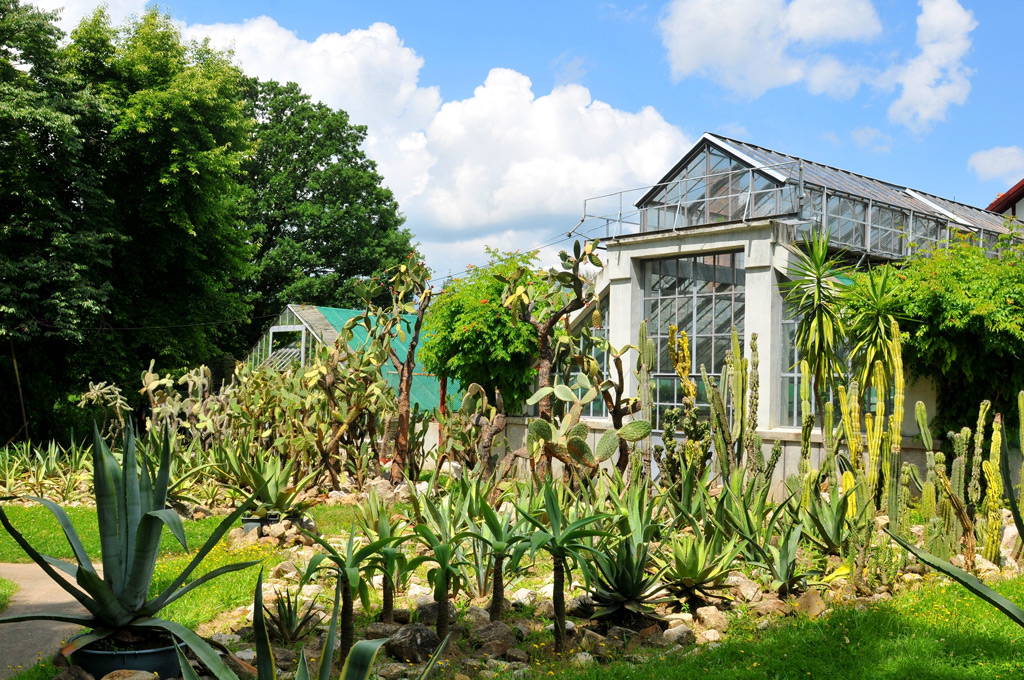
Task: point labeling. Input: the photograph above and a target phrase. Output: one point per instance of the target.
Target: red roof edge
(1004, 201)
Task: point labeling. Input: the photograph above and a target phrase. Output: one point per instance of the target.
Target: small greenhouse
(295, 336)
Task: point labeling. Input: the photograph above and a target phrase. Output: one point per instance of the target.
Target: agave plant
(290, 620)
(700, 561)
(267, 473)
(130, 507)
(828, 519)
(625, 583)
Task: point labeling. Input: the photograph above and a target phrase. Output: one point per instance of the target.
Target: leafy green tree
(472, 338)
(315, 203)
(55, 237)
(965, 326)
(172, 146)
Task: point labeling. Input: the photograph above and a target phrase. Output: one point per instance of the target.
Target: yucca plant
(564, 536)
(505, 538)
(777, 554)
(349, 565)
(699, 561)
(381, 524)
(442, 535)
(130, 508)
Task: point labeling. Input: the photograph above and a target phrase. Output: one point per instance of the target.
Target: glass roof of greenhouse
(722, 180)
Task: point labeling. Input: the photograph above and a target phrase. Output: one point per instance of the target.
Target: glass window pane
(666, 390)
(705, 309)
(723, 315)
(703, 354)
(664, 365)
(652, 269)
(698, 166)
(668, 277)
(667, 315)
(651, 312)
(684, 315)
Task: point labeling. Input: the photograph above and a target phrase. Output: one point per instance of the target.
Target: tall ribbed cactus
(896, 422)
(928, 498)
(833, 436)
(903, 509)
(728, 433)
(993, 529)
(849, 405)
(974, 484)
(647, 355)
(875, 424)
(807, 418)
(958, 467)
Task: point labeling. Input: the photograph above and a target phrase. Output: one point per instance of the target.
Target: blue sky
(493, 121)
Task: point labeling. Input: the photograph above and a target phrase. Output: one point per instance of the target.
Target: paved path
(21, 643)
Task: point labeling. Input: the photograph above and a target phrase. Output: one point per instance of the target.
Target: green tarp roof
(426, 389)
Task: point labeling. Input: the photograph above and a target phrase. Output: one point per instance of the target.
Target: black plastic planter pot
(253, 523)
(162, 661)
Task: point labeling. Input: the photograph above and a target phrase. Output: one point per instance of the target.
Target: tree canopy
(965, 326)
(471, 337)
(319, 214)
(152, 196)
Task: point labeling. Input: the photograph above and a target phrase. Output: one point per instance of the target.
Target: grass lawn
(44, 533)
(939, 632)
(7, 590)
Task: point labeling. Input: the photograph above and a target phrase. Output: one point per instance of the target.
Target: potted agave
(277, 497)
(124, 631)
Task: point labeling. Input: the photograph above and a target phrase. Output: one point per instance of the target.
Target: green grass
(334, 520)
(7, 591)
(939, 632)
(224, 593)
(44, 533)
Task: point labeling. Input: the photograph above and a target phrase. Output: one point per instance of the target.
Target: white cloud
(506, 154)
(936, 78)
(872, 139)
(752, 46)
(503, 159)
(72, 11)
(1005, 163)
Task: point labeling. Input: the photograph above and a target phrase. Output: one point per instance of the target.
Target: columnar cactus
(876, 429)
(993, 530)
(903, 507)
(974, 485)
(928, 500)
(958, 467)
(896, 419)
(752, 440)
(849, 406)
(647, 356)
(807, 418)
